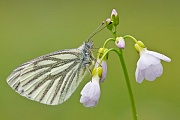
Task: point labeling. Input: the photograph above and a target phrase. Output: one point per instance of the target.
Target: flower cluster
(149, 65)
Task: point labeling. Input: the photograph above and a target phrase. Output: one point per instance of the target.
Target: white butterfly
(52, 78)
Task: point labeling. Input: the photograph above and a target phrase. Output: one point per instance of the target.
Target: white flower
(149, 65)
(91, 92)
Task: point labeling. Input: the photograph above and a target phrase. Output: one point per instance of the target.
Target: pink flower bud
(114, 12)
(120, 43)
(115, 17)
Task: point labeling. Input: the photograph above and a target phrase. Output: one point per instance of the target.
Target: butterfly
(51, 79)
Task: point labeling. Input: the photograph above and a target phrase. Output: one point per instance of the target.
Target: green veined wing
(52, 78)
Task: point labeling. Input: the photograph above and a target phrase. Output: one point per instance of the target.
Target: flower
(91, 91)
(149, 65)
(102, 62)
(120, 42)
(104, 67)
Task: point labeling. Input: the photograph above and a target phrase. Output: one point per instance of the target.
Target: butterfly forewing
(52, 78)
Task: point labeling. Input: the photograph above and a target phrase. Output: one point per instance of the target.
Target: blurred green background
(30, 28)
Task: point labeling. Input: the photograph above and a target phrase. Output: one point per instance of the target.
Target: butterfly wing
(50, 79)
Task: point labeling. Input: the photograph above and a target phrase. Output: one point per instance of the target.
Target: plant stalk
(128, 85)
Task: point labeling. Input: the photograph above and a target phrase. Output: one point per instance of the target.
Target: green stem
(108, 40)
(128, 85)
(107, 52)
(120, 54)
(129, 36)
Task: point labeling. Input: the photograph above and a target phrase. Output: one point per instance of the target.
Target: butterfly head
(88, 45)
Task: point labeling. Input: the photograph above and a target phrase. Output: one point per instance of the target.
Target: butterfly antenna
(97, 30)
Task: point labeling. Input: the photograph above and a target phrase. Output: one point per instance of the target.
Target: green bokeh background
(32, 28)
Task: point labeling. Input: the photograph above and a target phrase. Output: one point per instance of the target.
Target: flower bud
(120, 43)
(137, 47)
(108, 24)
(141, 44)
(101, 52)
(115, 17)
(97, 71)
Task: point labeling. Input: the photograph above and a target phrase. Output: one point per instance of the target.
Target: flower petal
(83, 99)
(91, 92)
(104, 67)
(146, 60)
(86, 88)
(139, 76)
(152, 72)
(160, 56)
(90, 103)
